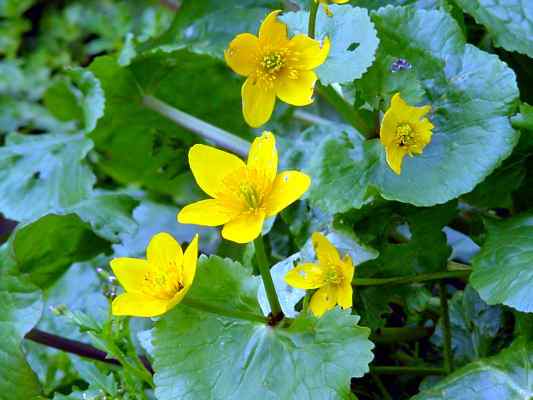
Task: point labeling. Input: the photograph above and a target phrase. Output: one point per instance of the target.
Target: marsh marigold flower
(155, 285)
(332, 276)
(404, 131)
(274, 66)
(243, 195)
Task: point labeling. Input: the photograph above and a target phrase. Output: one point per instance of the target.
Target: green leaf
(108, 214)
(311, 359)
(472, 94)
(14, 8)
(11, 31)
(39, 173)
(474, 325)
(46, 248)
(508, 375)
(21, 307)
(503, 269)
(352, 50)
(509, 22)
(137, 145)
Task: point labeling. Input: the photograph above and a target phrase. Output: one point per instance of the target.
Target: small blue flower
(400, 65)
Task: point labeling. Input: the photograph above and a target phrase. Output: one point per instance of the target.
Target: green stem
(346, 111)
(115, 351)
(209, 132)
(313, 9)
(380, 370)
(264, 270)
(379, 383)
(402, 280)
(232, 313)
(448, 354)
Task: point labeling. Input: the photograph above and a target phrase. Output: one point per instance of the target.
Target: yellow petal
(298, 89)
(138, 305)
(310, 52)
(163, 250)
(288, 187)
(344, 294)
(391, 119)
(209, 212)
(130, 272)
(305, 276)
(348, 269)
(257, 102)
(263, 156)
(323, 300)
(189, 263)
(273, 32)
(242, 54)
(423, 132)
(210, 166)
(326, 253)
(245, 228)
(340, 1)
(395, 157)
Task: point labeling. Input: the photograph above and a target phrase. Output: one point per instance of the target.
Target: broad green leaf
(14, 8)
(46, 248)
(11, 31)
(472, 95)
(503, 269)
(506, 375)
(212, 33)
(474, 326)
(509, 22)
(137, 145)
(21, 307)
(109, 214)
(39, 173)
(352, 50)
(310, 359)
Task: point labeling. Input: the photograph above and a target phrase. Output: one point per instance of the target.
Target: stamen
(405, 134)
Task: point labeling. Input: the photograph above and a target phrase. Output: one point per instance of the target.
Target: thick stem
(346, 111)
(313, 9)
(223, 311)
(381, 370)
(403, 280)
(448, 354)
(264, 270)
(209, 132)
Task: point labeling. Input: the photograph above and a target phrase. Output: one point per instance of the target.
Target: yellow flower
(332, 276)
(243, 195)
(274, 66)
(404, 131)
(155, 285)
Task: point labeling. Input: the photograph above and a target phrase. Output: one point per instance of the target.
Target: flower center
(332, 275)
(272, 62)
(405, 134)
(164, 283)
(250, 196)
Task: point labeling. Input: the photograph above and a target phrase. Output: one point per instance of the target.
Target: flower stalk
(264, 270)
(313, 10)
(404, 280)
(209, 132)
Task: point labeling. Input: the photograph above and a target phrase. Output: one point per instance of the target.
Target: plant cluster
(299, 199)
